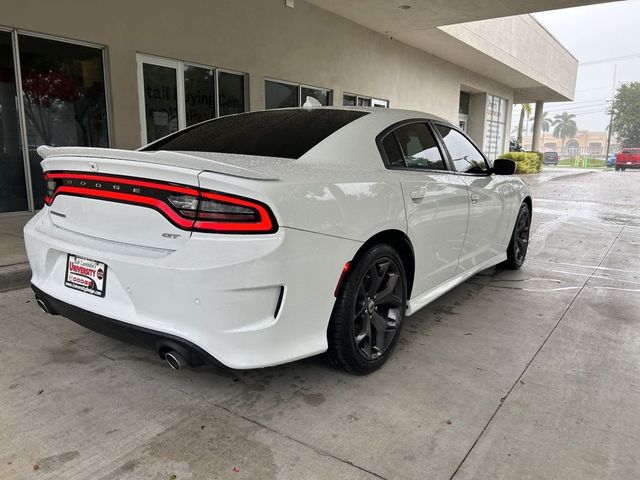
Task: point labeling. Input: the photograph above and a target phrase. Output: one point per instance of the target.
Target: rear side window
(413, 146)
(466, 157)
(392, 151)
(276, 133)
(419, 148)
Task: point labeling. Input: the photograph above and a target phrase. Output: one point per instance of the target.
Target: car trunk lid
(136, 186)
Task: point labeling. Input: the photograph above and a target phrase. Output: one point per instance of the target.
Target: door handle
(419, 194)
(474, 198)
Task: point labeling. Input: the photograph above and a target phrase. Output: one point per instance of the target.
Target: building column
(537, 127)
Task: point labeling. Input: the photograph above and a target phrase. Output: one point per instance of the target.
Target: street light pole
(613, 99)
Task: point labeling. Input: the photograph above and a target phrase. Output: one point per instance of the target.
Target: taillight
(218, 212)
(186, 207)
(51, 186)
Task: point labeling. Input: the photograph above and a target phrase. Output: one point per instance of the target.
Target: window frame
(390, 131)
(179, 67)
(22, 121)
(373, 100)
(299, 87)
(489, 170)
(245, 87)
(495, 120)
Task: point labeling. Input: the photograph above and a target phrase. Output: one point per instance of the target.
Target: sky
(595, 33)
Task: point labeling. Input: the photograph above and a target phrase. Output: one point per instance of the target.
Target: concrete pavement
(14, 267)
(529, 374)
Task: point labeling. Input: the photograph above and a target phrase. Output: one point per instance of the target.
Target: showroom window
(352, 100)
(52, 92)
(176, 94)
(279, 94)
(494, 126)
(13, 187)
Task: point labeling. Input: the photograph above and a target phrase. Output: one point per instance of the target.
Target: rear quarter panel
(350, 204)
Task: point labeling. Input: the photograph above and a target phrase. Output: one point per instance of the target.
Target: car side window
(419, 147)
(466, 157)
(392, 151)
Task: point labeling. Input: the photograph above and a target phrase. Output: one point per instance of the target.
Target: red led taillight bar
(188, 208)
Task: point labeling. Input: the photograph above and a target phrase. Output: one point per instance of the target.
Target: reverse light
(186, 205)
(188, 208)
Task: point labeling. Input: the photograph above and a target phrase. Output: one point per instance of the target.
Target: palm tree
(545, 125)
(526, 109)
(546, 122)
(564, 127)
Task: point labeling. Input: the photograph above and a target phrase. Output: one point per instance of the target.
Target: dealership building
(120, 74)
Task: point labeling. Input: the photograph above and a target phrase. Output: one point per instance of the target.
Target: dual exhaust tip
(174, 359)
(43, 306)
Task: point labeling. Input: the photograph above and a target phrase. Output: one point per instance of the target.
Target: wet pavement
(528, 374)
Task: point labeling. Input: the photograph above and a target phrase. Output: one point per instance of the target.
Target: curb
(13, 277)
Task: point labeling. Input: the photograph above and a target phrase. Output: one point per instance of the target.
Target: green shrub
(527, 162)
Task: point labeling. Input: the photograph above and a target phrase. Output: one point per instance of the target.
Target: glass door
(64, 99)
(161, 113)
(13, 187)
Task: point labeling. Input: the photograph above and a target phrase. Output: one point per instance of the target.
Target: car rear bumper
(627, 165)
(245, 301)
(125, 332)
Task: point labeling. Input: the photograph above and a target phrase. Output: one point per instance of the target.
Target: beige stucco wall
(261, 37)
(536, 58)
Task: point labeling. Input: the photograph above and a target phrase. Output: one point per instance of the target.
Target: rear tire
(617, 169)
(369, 311)
(517, 249)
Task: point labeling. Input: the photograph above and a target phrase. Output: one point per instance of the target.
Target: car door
(436, 201)
(488, 215)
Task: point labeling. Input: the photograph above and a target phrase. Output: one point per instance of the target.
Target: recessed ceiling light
(404, 7)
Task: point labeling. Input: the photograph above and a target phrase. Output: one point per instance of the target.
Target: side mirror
(504, 166)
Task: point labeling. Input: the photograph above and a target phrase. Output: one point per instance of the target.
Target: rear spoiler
(162, 157)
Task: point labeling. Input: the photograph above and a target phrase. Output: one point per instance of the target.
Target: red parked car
(628, 158)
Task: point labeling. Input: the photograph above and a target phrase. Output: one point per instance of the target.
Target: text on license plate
(86, 275)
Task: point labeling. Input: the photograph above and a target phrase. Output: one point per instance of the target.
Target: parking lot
(513, 375)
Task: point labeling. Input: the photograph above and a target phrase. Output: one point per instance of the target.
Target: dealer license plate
(86, 275)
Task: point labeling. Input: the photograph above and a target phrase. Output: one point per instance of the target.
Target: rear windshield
(287, 133)
(631, 151)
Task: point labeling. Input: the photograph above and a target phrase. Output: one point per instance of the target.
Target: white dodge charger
(265, 237)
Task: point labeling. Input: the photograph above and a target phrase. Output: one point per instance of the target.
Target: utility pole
(613, 99)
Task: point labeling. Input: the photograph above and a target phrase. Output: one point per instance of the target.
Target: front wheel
(517, 249)
(367, 316)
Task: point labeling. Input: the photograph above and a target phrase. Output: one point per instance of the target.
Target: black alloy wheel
(517, 249)
(367, 317)
(376, 312)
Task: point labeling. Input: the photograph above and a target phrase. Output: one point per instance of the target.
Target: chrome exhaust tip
(42, 305)
(175, 360)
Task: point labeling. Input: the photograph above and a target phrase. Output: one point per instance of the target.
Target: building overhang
(494, 38)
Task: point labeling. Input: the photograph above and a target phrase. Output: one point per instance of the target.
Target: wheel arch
(402, 244)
